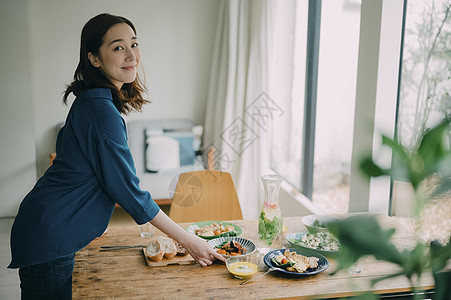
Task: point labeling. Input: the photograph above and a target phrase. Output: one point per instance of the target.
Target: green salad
(317, 223)
(320, 241)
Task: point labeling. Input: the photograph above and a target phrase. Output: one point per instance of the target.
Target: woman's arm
(199, 249)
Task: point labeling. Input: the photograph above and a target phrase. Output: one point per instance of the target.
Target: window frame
(377, 97)
(310, 98)
(376, 100)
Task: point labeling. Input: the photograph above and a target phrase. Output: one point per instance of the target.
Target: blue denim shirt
(72, 203)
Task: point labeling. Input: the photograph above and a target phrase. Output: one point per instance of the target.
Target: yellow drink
(242, 269)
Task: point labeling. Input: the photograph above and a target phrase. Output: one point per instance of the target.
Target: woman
(74, 200)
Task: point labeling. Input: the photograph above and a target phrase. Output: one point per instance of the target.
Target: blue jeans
(49, 280)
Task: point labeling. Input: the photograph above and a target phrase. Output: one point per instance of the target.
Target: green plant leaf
(401, 164)
(398, 150)
(368, 166)
(401, 168)
(439, 255)
(432, 148)
(442, 286)
(431, 157)
(415, 261)
(432, 143)
(362, 235)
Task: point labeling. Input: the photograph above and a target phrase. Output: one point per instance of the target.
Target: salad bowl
(323, 243)
(317, 223)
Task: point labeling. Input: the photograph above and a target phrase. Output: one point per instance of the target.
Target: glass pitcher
(270, 225)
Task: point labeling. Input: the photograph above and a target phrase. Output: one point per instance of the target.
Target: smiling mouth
(130, 68)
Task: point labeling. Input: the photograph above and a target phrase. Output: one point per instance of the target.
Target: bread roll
(181, 251)
(155, 251)
(169, 248)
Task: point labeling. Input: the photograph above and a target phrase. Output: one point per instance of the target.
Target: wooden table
(124, 273)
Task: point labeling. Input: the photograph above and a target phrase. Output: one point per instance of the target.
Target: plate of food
(322, 242)
(296, 261)
(232, 246)
(214, 229)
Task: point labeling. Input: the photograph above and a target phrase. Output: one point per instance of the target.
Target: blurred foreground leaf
(362, 235)
(432, 149)
(442, 285)
(439, 254)
(432, 156)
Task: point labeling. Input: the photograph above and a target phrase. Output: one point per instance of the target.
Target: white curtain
(240, 109)
(287, 62)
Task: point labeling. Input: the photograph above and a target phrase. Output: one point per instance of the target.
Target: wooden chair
(206, 195)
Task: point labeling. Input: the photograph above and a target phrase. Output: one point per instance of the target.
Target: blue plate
(323, 263)
(245, 243)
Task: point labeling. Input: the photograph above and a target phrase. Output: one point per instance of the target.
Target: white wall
(176, 40)
(17, 141)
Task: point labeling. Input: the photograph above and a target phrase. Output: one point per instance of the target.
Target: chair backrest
(206, 195)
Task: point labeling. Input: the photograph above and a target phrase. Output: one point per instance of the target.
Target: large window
(325, 79)
(337, 75)
(425, 89)
(357, 84)
(425, 85)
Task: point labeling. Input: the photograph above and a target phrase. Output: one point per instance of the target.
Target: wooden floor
(9, 279)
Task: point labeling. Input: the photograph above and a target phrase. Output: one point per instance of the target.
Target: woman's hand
(200, 250)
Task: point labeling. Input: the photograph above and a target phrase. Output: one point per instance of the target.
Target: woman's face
(119, 55)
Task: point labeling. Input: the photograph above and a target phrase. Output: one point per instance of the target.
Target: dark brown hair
(87, 76)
